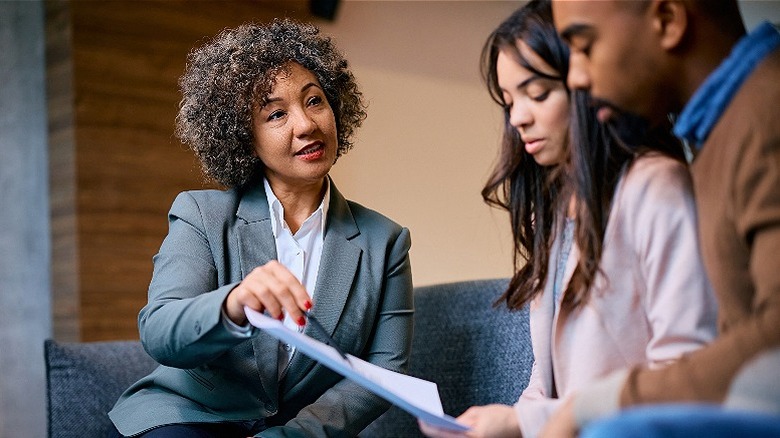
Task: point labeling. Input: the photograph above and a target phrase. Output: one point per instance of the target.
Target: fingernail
(307, 304)
(301, 321)
(280, 317)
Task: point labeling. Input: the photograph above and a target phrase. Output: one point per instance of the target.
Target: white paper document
(417, 396)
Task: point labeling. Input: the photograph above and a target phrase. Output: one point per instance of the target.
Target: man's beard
(630, 128)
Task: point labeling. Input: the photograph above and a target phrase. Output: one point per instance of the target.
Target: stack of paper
(417, 396)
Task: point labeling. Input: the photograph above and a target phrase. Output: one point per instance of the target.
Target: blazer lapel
(256, 247)
(338, 267)
(563, 314)
(541, 324)
(546, 322)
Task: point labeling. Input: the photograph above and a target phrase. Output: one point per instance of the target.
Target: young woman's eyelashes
(538, 90)
(540, 97)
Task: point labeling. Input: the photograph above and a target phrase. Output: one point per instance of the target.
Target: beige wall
(432, 131)
(754, 12)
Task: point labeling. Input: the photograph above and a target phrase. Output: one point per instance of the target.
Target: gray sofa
(476, 353)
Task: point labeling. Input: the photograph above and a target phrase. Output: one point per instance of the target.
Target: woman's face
(295, 131)
(538, 107)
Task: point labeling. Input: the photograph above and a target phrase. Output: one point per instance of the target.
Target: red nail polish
(280, 317)
(307, 304)
(301, 321)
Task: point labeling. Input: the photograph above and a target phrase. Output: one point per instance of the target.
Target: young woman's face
(295, 131)
(538, 107)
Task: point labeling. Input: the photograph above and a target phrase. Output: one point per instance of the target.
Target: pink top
(654, 305)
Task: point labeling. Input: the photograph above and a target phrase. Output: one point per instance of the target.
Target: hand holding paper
(417, 396)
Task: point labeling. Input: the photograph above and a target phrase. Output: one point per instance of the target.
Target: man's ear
(670, 22)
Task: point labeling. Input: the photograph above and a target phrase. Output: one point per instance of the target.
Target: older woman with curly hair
(268, 109)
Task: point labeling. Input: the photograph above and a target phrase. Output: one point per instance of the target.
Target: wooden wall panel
(62, 172)
(127, 57)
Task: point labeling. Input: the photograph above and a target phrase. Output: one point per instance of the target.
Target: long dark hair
(602, 155)
(535, 195)
(527, 191)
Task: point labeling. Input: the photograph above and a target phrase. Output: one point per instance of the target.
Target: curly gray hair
(226, 77)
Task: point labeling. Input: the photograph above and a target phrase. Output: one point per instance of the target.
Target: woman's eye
(315, 100)
(276, 115)
(540, 97)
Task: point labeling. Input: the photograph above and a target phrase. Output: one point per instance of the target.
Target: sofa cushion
(84, 380)
(476, 353)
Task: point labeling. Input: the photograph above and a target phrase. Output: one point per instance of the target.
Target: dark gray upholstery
(84, 380)
(476, 353)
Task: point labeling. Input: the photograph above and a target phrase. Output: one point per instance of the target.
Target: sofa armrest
(84, 380)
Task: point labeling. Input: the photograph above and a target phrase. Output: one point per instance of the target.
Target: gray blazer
(363, 298)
